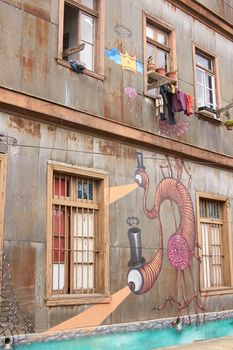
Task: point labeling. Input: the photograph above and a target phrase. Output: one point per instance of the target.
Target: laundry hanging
(182, 101)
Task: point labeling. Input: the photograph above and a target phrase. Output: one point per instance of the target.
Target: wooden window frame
(227, 269)
(99, 14)
(170, 47)
(103, 222)
(215, 72)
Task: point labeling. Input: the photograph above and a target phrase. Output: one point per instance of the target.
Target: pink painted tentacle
(181, 244)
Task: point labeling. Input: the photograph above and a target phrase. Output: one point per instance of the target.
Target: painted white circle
(135, 277)
(138, 178)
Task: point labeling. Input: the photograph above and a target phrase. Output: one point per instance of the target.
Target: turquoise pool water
(139, 340)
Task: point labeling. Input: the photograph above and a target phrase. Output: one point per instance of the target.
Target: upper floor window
(77, 235)
(81, 33)
(205, 80)
(157, 46)
(215, 243)
(160, 51)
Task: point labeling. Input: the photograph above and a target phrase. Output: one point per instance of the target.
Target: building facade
(115, 175)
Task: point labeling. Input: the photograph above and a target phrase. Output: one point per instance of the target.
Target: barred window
(215, 243)
(77, 241)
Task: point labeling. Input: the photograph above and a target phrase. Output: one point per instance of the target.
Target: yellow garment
(172, 88)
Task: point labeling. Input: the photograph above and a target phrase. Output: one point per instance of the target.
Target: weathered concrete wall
(223, 8)
(25, 217)
(29, 64)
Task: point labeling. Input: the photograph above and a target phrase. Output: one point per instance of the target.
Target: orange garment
(189, 104)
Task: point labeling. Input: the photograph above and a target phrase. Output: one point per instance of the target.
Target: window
(77, 235)
(159, 49)
(215, 242)
(81, 33)
(205, 72)
(157, 46)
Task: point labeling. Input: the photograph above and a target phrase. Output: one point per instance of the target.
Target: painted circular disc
(178, 252)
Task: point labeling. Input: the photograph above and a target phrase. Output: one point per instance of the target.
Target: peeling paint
(27, 126)
(116, 149)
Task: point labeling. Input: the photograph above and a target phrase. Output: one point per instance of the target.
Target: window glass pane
(200, 76)
(86, 56)
(201, 94)
(203, 212)
(204, 61)
(87, 29)
(209, 81)
(150, 32)
(83, 276)
(58, 276)
(85, 189)
(161, 37)
(161, 58)
(60, 186)
(150, 52)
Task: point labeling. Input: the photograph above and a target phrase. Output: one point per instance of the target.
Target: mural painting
(127, 61)
(181, 244)
(123, 31)
(180, 248)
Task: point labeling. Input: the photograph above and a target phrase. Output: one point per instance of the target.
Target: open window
(159, 53)
(214, 238)
(77, 236)
(206, 83)
(81, 34)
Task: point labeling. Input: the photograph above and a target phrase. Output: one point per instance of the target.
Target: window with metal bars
(77, 243)
(215, 244)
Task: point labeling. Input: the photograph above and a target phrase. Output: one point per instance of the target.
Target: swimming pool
(145, 339)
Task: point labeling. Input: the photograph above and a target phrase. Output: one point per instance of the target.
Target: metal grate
(74, 227)
(212, 243)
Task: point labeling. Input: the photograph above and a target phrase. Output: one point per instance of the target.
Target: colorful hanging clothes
(182, 102)
(167, 96)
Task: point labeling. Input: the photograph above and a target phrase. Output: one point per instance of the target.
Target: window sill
(216, 291)
(85, 71)
(73, 299)
(208, 117)
(156, 80)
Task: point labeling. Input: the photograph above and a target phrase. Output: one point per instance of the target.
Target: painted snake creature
(181, 244)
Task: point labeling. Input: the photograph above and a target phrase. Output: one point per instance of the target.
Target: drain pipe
(8, 343)
(135, 280)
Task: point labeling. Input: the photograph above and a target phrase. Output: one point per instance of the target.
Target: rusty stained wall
(31, 65)
(25, 217)
(224, 8)
(140, 112)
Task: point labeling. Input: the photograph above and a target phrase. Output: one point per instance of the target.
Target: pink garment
(179, 101)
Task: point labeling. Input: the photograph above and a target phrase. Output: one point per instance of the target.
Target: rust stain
(107, 111)
(28, 64)
(51, 128)
(107, 147)
(42, 31)
(72, 137)
(36, 11)
(25, 125)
